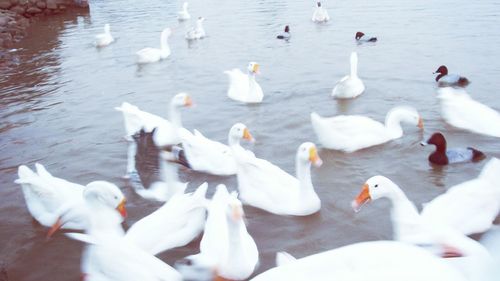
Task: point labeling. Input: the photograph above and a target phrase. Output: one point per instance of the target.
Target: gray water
(57, 94)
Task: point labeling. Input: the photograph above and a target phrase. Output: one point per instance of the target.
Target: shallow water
(58, 93)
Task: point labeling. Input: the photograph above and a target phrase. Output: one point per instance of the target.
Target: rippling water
(58, 92)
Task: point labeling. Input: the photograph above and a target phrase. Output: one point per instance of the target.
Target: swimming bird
(446, 80)
(167, 132)
(226, 247)
(353, 132)
(197, 32)
(350, 86)
(460, 110)
(469, 207)
(375, 260)
(184, 14)
(320, 14)
(443, 156)
(243, 87)
(174, 224)
(55, 202)
(150, 55)
(264, 185)
(108, 254)
(361, 37)
(104, 39)
(285, 35)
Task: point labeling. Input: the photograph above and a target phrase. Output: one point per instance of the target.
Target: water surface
(58, 93)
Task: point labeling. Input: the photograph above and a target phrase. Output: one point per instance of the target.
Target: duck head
(319, 4)
(287, 29)
(359, 34)
(442, 70)
(436, 139)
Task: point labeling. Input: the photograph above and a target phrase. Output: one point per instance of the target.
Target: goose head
(359, 34)
(166, 33)
(307, 153)
(404, 114)
(97, 194)
(181, 100)
(374, 188)
(200, 21)
(240, 131)
(185, 6)
(105, 194)
(253, 68)
(234, 210)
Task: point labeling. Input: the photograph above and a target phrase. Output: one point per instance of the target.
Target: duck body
(363, 38)
(460, 110)
(450, 80)
(104, 39)
(243, 87)
(320, 14)
(175, 224)
(469, 207)
(266, 186)
(377, 260)
(150, 55)
(184, 14)
(444, 156)
(285, 35)
(350, 86)
(349, 133)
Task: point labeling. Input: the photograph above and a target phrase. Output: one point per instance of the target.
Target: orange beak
(188, 101)
(247, 135)
(362, 198)
(121, 208)
(314, 158)
(420, 123)
(55, 227)
(256, 68)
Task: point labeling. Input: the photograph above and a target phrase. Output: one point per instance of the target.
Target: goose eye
(376, 185)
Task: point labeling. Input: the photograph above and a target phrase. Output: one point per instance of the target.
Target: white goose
(104, 39)
(149, 55)
(320, 14)
(167, 132)
(226, 245)
(205, 155)
(55, 202)
(377, 260)
(469, 207)
(353, 132)
(184, 14)
(197, 32)
(264, 185)
(460, 110)
(109, 256)
(408, 226)
(175, 224)
(243, 87)
(350, 86)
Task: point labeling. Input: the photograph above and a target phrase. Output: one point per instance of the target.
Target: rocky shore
(17, 15)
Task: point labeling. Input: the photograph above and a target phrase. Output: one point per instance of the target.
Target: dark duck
(444, 79)
(443, 156)
(361, 37)
(286, 34)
